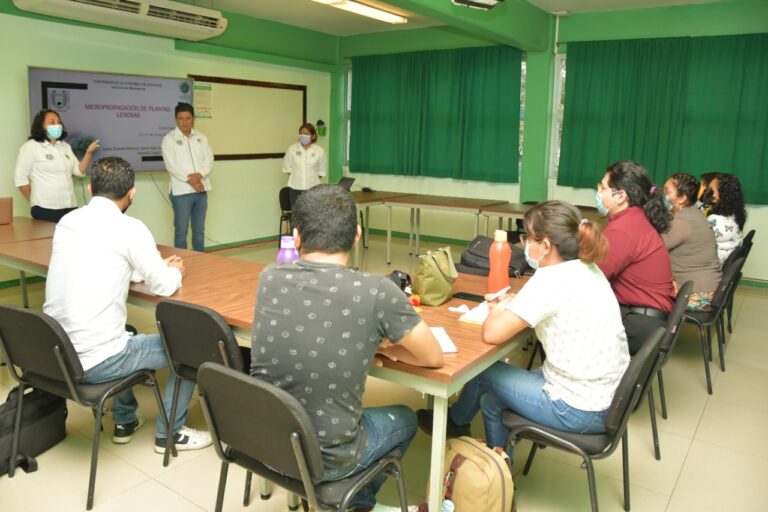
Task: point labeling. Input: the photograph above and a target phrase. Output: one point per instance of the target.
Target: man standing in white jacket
(96, 248)
(188, 159)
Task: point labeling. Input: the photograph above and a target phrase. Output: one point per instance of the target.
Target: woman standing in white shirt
(570, 304)
(45, 166)
(305, 161)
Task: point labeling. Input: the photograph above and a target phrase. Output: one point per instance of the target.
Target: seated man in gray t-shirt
(317, 327)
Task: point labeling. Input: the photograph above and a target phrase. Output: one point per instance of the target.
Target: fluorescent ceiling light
(365, 10)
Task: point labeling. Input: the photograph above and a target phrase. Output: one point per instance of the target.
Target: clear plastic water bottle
(448, 506)
(287, 252)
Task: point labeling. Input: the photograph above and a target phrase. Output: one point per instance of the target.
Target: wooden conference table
(417, 202)
(21, 229)
(228, 286)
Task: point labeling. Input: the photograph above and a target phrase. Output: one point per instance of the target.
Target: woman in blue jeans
(574, 312)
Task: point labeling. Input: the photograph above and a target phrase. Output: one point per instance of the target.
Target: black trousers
(638, 327)
(46, 214)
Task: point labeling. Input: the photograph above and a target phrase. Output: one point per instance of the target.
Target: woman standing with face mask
(637, 264)
(305, 161)
(45, 166)
(576, 316)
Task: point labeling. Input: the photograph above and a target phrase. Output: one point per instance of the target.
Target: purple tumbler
(287, 253)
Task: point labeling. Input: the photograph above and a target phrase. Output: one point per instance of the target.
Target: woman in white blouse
(305, 161)
(728, 214)
(574, 312)
(45, 166)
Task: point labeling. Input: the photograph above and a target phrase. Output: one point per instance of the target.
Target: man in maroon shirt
(637, 264)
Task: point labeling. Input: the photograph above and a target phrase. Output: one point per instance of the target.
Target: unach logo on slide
(184, 87)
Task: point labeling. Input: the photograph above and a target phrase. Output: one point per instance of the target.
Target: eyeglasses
(525, 237)
(601, 188)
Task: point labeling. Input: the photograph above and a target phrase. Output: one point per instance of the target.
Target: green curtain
(621, 102)
(685, 104)
(446, 114)
(726, 111)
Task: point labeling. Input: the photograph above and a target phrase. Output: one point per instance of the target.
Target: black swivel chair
(286, 450)
(37, 345)
(285, 212)
(193, 335)
(674, 323)
(591, 447)
(707, 319)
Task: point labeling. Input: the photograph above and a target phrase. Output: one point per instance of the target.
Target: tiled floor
(714, 448)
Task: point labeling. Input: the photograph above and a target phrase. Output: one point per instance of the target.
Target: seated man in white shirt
(95, 250)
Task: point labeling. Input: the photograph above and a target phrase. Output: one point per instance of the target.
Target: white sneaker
(186, 439)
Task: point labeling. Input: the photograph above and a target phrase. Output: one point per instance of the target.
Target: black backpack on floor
(43, 419)
(475, 261)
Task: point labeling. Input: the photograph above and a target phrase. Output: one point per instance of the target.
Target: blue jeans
(387, 428)
(504, 386)
(186, 208)
(143, 351)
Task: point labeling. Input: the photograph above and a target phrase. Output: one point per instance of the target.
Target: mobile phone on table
(468, 296)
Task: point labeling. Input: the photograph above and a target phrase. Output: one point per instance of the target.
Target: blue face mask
(305, 139)
(599, 204)
(54, 131)
(667, 204)
(534, 264)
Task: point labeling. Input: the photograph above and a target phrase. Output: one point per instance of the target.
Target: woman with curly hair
(728, 215)
(691, 242)
(637, 264)
(45, 167)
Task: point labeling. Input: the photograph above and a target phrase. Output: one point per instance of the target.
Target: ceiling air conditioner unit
(478, 4)
(158, 17)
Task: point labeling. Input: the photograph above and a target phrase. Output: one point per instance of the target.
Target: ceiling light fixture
(365, 10)
(478, 4)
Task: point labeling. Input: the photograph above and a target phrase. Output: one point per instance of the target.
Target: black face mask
(708, 197)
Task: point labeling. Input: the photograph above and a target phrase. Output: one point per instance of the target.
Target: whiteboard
(250, 119)
(129, 114)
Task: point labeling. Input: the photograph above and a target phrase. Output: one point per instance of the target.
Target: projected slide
(129, 114)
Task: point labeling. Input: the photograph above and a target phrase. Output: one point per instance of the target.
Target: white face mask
(305, 139)
(533, 263)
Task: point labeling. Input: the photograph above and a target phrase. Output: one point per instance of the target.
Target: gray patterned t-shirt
(315, 334)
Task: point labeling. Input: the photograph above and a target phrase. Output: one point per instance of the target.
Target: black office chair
(286, 449)
(36, 344)
(674, 323)
(702, 319)
(591, 447)
(191, 336)
(285, 212)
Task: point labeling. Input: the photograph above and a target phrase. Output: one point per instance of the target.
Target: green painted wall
(722, 18)
(536, 139)
(402, 41)
(272, 38)
(513, 22)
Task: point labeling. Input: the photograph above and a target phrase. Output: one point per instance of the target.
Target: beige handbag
(434, 278)
(477, 478)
